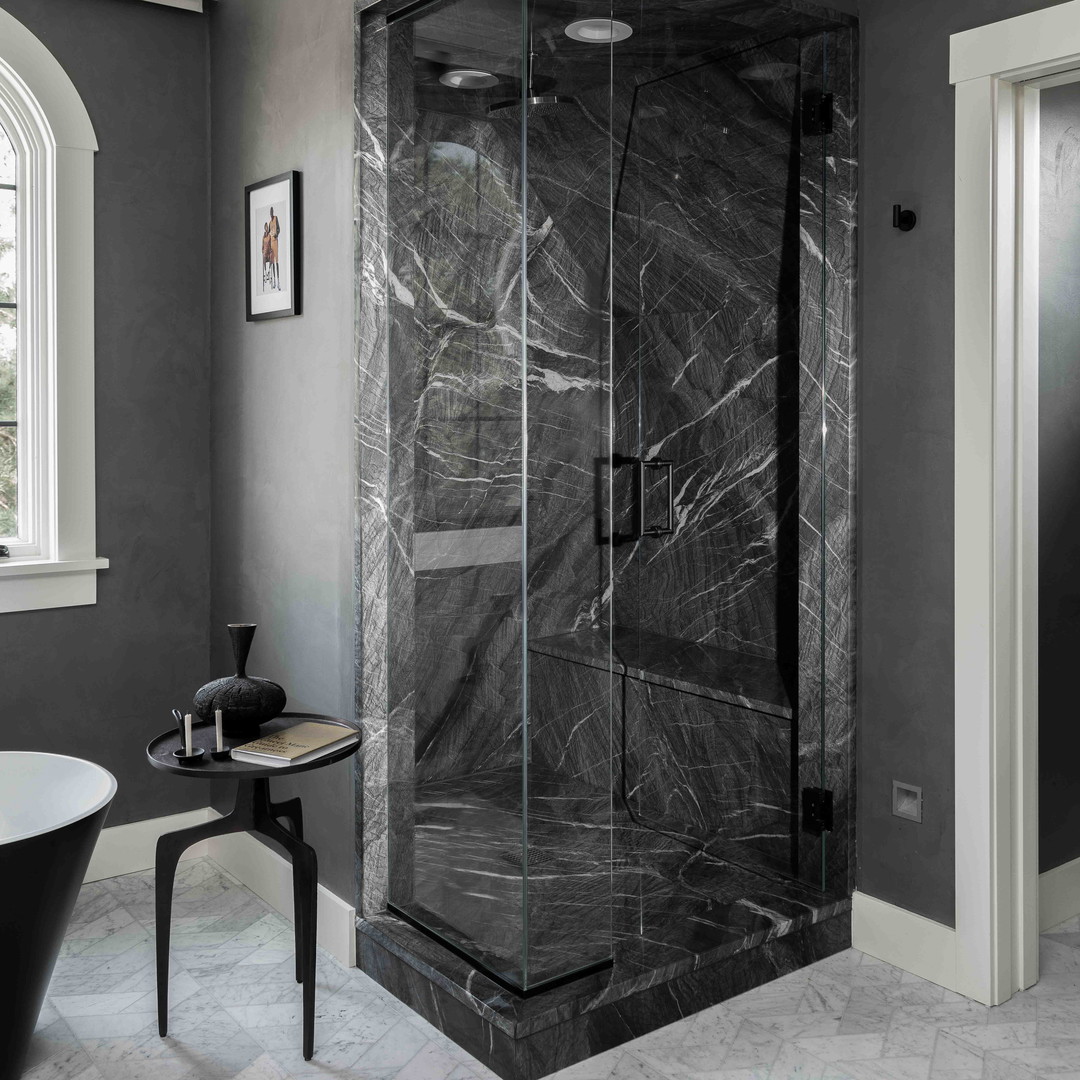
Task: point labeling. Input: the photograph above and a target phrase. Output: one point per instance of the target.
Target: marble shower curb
(543, 1050)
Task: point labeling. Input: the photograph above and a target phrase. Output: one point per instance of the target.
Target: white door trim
(996, 491)
(1040, 43)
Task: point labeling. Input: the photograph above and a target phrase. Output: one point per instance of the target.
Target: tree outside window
(9, 460)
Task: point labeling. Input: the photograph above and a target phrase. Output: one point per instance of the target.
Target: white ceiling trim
(187, 5)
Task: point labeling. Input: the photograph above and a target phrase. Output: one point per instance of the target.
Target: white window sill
(29, 584)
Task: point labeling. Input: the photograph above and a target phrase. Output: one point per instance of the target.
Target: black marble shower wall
(642, 270)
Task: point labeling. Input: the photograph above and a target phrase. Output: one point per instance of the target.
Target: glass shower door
(500, 811)
(719, 289)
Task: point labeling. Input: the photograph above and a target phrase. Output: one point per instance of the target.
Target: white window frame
(55, 563)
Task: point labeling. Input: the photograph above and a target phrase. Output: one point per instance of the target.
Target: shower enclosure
(605, 342)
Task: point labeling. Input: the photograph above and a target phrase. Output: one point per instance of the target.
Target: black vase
(245, 701)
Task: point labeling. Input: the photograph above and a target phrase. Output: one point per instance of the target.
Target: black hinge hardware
(817, 810)
(817, 113)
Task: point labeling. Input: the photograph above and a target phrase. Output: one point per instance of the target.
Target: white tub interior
(43, 792)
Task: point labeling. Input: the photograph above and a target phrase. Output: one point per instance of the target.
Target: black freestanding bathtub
(51, 811)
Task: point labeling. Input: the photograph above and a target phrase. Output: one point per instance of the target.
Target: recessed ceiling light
(598, 31)
(468, 79)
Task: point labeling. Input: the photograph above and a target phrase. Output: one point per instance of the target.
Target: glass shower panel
(456, 420)
(568, 733)
(718, 292)
(500, 780)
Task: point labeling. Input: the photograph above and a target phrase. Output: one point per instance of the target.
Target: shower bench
(749, 682)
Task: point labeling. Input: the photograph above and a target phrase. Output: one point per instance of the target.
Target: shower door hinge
(817, 113)
(817, 810)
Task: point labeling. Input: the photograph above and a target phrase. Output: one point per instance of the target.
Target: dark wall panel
(283, 392)
(1059, 466)
(98, 681)
(905, 528)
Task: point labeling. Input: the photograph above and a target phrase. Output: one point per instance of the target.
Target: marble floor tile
(55, 1053)
(909, 1036)
(795, 1064)
(955, 1056)
(70, 1064)
(803, 1025)
(263, 1068)
(897, 1068)
(235, 1011)
(843, 1047)
(1059, 957)
(985, 1037)
(1017, 1010)
(1040, 1060)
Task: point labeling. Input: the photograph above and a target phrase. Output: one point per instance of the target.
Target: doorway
(1001, 73)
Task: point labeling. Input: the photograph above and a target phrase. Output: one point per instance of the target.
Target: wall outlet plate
(906, 801)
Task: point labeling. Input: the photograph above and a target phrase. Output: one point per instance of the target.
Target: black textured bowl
(245, 703)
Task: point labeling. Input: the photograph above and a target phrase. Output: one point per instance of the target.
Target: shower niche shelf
(751, 682)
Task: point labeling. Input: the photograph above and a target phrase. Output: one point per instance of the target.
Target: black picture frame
(265, 299)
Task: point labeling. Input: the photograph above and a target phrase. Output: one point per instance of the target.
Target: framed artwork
(272, 247)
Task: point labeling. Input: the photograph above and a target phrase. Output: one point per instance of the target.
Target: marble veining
(673, 908)
(512, 335)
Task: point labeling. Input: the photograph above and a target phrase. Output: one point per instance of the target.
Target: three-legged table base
(253, 812)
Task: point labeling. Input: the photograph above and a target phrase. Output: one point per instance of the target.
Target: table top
(160, 750)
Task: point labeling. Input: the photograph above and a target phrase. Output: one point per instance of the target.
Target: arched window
(9, 352)
(47, 497)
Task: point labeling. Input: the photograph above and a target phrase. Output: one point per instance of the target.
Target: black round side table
(254, 811)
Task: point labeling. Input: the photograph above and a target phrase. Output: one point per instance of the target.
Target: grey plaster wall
(283, 390)
(99, 681)
(1059, 461)
(905, 526)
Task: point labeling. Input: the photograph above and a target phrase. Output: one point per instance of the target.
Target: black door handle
(655, 530)
(640, 529)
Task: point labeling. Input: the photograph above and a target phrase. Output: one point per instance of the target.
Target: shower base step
(689, 931)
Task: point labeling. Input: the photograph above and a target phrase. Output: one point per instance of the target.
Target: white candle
(217, 724)
(187, 734)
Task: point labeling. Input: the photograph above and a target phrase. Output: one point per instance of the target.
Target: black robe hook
(904, 220)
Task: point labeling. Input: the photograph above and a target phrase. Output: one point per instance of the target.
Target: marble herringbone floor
(235, 1011)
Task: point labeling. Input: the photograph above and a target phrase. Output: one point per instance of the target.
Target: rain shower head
(538, 102)
(539, 105)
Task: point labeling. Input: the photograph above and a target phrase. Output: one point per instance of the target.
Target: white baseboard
(269, 876)
(1059, 895)
(187, 5)
(902, 938)
(127, 849)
